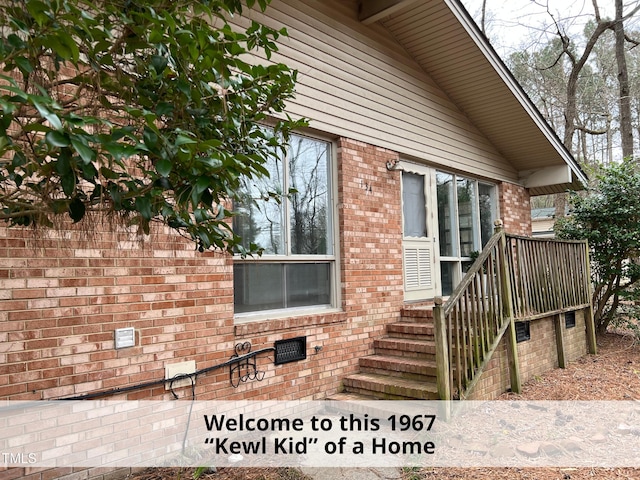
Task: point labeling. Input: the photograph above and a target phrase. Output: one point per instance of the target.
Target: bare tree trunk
(483, 18)
(626, 129)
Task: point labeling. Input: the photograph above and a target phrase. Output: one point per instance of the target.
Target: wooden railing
(514, 278)
(547, 275)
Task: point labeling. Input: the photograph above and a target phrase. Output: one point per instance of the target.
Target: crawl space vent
(523, 331)
(290, 350)
(570, 319)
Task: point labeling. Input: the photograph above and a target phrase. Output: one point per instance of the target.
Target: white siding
(356, 81)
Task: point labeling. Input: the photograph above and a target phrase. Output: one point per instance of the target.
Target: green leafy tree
(140, 111)
(609, 218)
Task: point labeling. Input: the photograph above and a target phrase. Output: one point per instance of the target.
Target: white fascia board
(516, 89)
(545, 177)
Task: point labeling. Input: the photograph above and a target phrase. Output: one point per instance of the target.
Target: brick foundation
(536, 356)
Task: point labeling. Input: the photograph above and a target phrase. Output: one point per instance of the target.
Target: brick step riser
(377, 395)
(417, 321)
(417, 315)
(393, 352)
(417, 332)
(399, 364)
(407, 347)
(411, 336)
(418, 377)
(383, 391)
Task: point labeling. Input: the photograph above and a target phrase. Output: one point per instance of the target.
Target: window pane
(269, 286)
(446, 215)
(487, 211)
(414, 211)
(308, 284)
(309, 207)
(447, 276)
(466, 191)
(258, 286)
(258, 220)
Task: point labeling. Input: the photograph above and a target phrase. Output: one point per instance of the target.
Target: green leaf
(38, 11)
(51, 117)
(155, 36)
(60, 206)
(164, 108)
(70, 45)
(150, 138)
(121, 150)
(108, 173)
(77, 209)
(24, 65)
(58, 46)
(63, 165)
(89, 172)
(56, 139)
(16, 42)
(143, 206)
(86, 153)
(184, 140)
(163, 167)
(68, 181)
(202, 184)
(159, 63)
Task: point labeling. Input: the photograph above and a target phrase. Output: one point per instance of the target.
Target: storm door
(419, 234)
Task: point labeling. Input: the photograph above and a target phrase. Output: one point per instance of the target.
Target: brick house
(419, 139)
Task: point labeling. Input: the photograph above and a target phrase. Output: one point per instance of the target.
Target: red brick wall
(515, 208)
(61, 298)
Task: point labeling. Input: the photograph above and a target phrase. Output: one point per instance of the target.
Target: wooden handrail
(475, 268)
(514, 278)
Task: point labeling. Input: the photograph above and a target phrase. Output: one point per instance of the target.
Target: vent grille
(570, 319)
(417, 268)
(523, 331)
(290, 350)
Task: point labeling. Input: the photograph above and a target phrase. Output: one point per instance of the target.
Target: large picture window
(295, 231)
(466, 211)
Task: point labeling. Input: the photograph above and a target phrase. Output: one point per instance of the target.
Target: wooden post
(507, 310)
(562, 363)
(442, 351)
(588, 313)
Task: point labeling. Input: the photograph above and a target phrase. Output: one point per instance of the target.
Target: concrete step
(405, 347)
(410, 330)
(389, 388)
(405, 367)
(350, 397)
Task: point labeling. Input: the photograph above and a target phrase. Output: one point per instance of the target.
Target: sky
(514, 23)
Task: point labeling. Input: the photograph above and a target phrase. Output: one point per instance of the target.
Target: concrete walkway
(372, 473)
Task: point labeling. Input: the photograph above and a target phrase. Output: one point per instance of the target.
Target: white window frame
(279, 259)
(459, 259)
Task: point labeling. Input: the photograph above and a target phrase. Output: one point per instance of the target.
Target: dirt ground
(613, 374)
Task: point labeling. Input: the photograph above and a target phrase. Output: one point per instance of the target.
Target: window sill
(264, 322)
